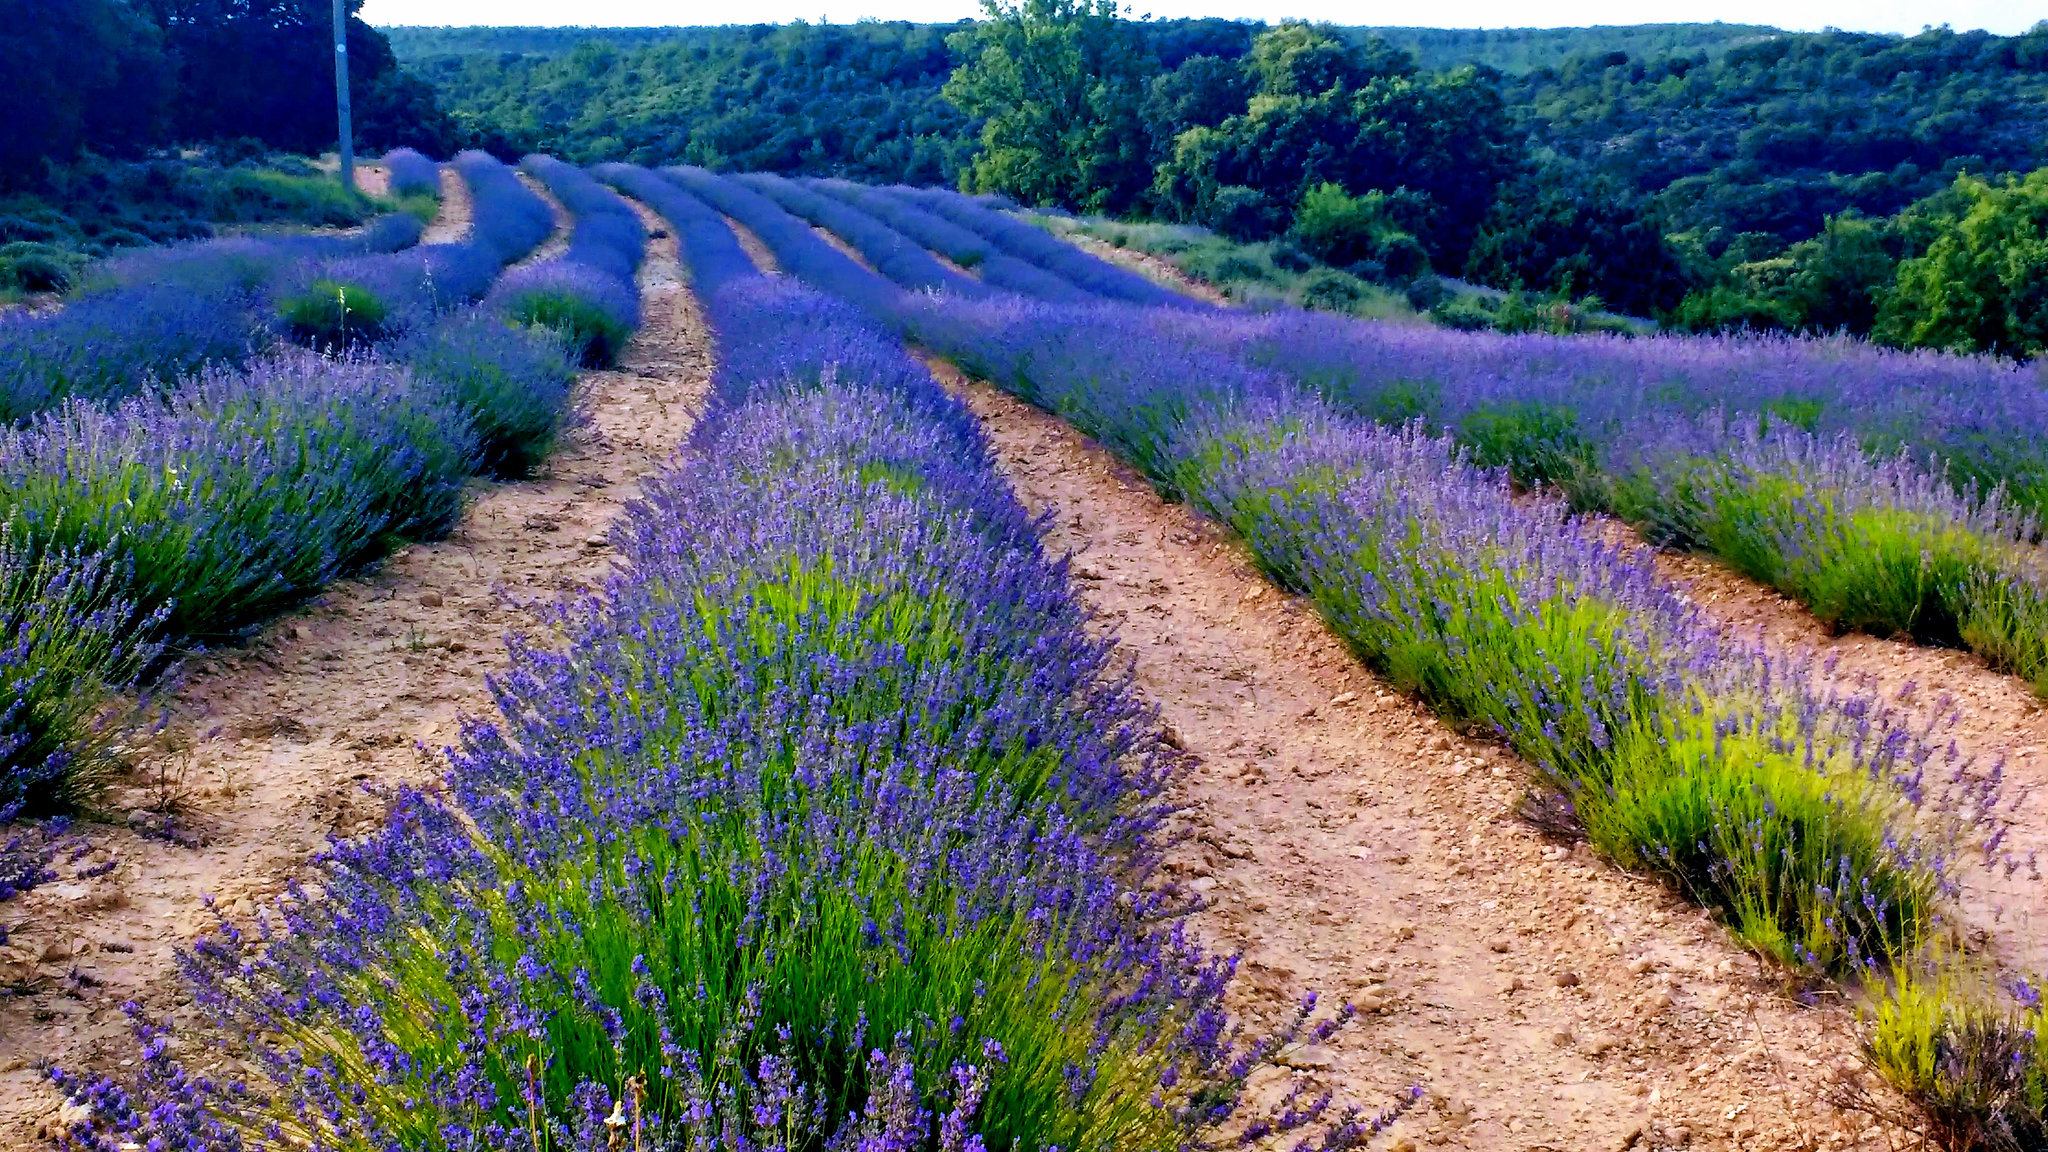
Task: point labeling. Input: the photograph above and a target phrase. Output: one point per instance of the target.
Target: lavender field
(839, 810)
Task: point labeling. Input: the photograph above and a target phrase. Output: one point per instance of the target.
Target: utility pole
(348, 135)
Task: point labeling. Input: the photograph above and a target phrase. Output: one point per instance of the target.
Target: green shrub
(595, 337)
(37, 267)
(73, 642)
(331, 316)
(1344, 230)
(2004, 619)
(1743, 822)
(1969, 1058)
(1328, 290)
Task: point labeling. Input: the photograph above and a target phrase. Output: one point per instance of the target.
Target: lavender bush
(888, 251)
(1968, 1053)
(797, 248)
(513, 384)
(242, 492)
(608, 234)
(152, 318)
(1980, 417)
(1824, 828)
(1880, 543)
(589, 296)
(711, 254)
(412, 174)
(75, 640)
(1016, 238)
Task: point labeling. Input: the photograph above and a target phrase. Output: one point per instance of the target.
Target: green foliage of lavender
(76, 640)
(513, 384)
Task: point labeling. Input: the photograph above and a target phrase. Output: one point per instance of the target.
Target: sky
(2002, 16)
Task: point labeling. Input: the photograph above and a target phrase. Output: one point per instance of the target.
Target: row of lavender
(1891, 493)
(1825, 829)
(825, 826)
(134, 529)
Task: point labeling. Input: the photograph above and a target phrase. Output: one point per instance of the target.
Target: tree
(1365, 233)
(1202, 93)
(265, 69)
(81, 74)
(1559, 228)
(1982, 284)
(1356, 116)
(1061, 84)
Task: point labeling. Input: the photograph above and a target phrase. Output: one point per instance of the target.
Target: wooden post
(348, 135)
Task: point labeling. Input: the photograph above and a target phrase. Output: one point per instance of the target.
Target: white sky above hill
(2001, 16)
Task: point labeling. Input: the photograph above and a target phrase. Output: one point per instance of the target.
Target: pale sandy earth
(1352, 844)
(558, 242)
(372, 178)
(276, 741)
(756, 250)
(451, 223)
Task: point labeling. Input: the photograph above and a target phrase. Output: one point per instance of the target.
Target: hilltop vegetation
(107, 100)
(1713, 176)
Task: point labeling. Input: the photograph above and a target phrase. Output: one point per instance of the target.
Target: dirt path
(373, 178)
(1998, 718)
(558, 241)
(279, 738)
(756, 249)
(1351, 844)
(451, 224)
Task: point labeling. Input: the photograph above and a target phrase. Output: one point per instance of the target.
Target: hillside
(1511, 50)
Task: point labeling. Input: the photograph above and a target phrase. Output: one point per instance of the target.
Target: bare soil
(557, 241)
(451, 223)
(1351, 844)
(756, 249)
(372, 177)
(277, 744)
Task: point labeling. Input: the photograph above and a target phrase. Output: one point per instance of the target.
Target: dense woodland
(1709, 176)
(134, 121)
(1713, 176)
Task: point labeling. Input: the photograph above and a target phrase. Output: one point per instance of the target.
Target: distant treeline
(1512, 50)
(118, 78)
(856, 100)
(1671, 170)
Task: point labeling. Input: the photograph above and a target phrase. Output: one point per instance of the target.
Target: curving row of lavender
(966, 249)
(1825, 828)
(337, 305)
(826, 826)
(160, 522)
